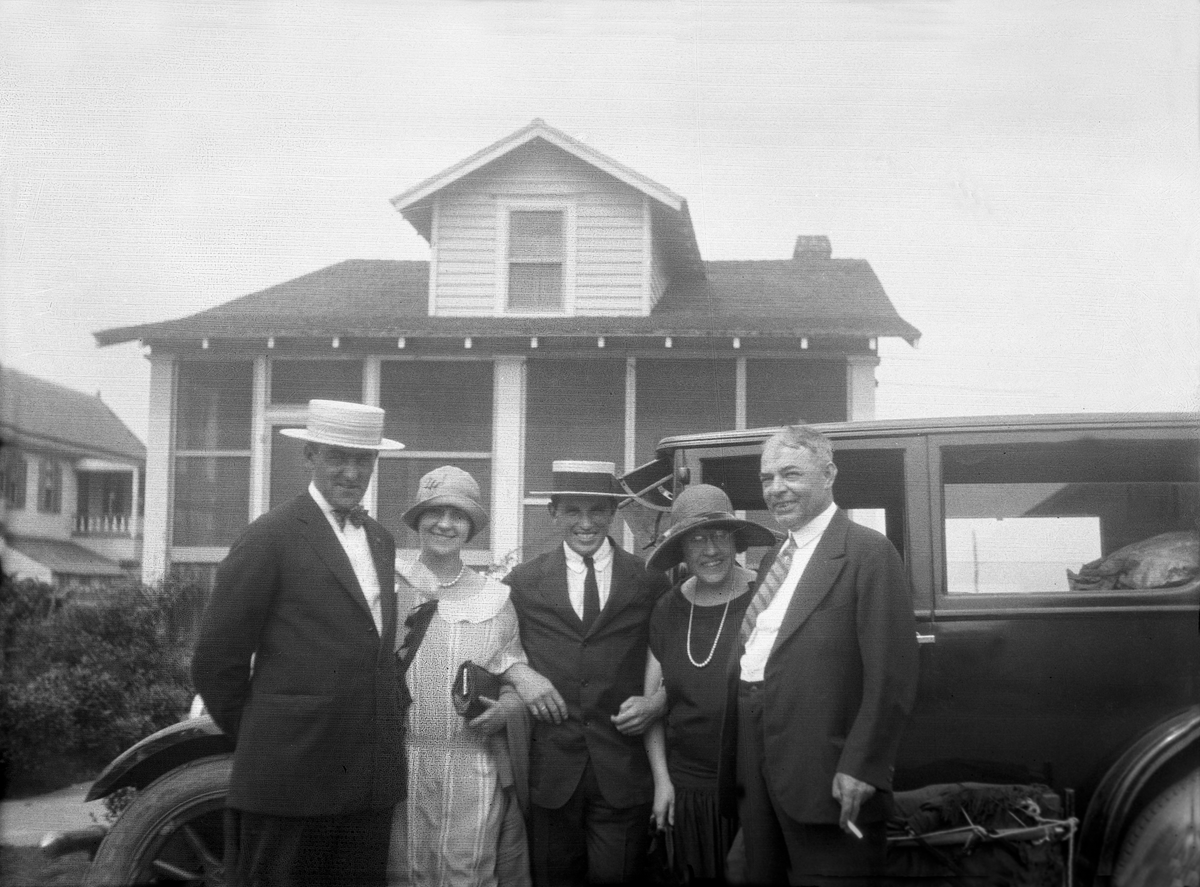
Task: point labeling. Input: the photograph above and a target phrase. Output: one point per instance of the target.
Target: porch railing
(102, 524)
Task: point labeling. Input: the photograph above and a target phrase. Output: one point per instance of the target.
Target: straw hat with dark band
(702, 507)
(339, 423)
(578, 478)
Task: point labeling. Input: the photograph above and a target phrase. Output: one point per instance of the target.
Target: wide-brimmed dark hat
(704, 506)
(573, 477)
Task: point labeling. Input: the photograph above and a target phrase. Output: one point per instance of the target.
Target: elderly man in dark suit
(584, 613)
(295, 662)
(824, 677)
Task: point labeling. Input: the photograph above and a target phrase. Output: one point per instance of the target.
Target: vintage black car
(1054, 561)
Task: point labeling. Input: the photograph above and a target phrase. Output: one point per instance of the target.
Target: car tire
(172, 831)
(1162, 847)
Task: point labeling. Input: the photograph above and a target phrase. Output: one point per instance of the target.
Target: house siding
(608, 248)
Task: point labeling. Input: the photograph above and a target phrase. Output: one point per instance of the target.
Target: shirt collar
(601, 559)
(327, 509)
(814, 529)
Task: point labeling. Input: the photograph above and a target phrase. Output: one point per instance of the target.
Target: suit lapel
(818, 577)
(621, 589)
(555, 590)
(320, 535)
(384, 556)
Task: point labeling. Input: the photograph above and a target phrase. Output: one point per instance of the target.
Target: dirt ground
(27, 867)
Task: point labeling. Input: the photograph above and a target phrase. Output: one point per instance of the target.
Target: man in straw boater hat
(584, 613)
(295, 662)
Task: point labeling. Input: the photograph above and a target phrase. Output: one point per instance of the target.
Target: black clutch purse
(471, 682)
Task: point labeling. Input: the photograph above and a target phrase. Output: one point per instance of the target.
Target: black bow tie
(355, 515)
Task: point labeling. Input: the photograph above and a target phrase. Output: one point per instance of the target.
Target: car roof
(899, 427)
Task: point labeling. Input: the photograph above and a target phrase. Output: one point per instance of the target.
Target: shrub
(84, 678)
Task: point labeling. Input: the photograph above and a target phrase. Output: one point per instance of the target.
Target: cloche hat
(704, 506)
(449, 485)
(339, 423)
(573, 477)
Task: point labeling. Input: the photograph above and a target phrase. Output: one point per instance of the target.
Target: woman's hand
(663, 812)
(494, 717)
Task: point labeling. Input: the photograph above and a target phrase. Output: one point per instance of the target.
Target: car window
(1064, 517)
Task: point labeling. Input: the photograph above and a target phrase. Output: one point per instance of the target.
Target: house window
(299, 381)
(212, 459)
(783, 391)
(536, 261)
(682, 397)
(49, 487)
(13, 474)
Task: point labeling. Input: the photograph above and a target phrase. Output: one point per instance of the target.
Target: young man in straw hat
(295, 662)
(584, 611)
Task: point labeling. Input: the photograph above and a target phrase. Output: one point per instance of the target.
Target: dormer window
(536, 261)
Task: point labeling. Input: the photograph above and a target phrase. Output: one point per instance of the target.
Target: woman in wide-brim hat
(692, 632)
(447, 831)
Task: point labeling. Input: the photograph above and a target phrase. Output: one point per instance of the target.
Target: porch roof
(385, 299)
(65, 558)
(43, 415)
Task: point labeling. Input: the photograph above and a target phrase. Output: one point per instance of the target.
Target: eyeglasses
(703, 537)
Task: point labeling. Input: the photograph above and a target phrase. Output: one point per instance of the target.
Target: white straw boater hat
(573, 477)
(338, 423)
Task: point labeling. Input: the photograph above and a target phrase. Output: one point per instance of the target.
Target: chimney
(812, 246)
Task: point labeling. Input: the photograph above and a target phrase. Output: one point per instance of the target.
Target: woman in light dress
(460, 823)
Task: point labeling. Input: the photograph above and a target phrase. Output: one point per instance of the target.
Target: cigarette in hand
(854, 830)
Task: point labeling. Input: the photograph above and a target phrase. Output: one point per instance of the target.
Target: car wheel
(1162, 847)
(173, 831)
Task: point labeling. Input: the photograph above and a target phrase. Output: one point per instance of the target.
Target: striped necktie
(770, 585)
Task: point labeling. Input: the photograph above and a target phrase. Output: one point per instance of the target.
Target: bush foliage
(85, 675)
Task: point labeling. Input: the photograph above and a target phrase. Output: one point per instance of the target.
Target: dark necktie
(355, 515)
(770, 585)
(591, 593)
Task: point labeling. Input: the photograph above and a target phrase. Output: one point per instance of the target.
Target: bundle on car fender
(991, 834)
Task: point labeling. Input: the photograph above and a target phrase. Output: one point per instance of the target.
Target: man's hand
(639, 712)
(543, 701)
(851, 793)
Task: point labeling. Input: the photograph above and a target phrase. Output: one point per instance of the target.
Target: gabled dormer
(539, 224)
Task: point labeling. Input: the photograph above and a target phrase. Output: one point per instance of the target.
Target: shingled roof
(379, 298)
(37, 413)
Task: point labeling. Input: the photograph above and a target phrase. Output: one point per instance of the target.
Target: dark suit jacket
(595, 672)
(317, 724)
(841, 679)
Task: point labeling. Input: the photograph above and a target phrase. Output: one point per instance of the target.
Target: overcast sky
(1023, 177)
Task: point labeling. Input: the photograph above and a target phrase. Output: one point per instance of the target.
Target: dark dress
(695, 709)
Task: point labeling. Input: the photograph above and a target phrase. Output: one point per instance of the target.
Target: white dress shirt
(766, 628)
(354, 543)
(577, 572)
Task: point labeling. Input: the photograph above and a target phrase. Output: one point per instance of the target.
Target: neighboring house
(565, 311)
(72, 476)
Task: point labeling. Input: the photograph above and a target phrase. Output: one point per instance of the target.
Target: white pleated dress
(451, 818)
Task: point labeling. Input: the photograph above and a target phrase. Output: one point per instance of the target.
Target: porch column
(860, 386)
(134, 529)
(159, 447)
(259, 433)
(508, 454)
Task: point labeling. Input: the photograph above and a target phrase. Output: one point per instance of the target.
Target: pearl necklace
(716, 638)
(453, 581)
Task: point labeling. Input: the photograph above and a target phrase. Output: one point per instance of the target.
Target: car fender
(1114, 802)
(141, 764)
